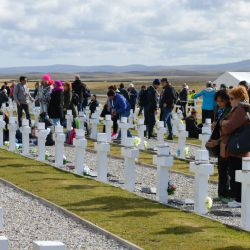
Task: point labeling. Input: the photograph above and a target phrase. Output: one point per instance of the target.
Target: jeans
(166, 117)
(20, 109)
(79, 107)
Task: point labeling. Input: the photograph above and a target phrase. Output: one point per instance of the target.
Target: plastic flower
(33, 150)
(64, 159)
(171, 188)
(208, 203)
(137, 141)
(187, 151)
(145, 144)
(6, 143)
(86, 170)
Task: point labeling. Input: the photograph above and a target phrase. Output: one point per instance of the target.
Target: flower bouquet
(171, 188)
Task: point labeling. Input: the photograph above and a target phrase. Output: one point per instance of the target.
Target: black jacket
(151, 99)
(183, 95)
(168, 96)
(78, 88)
(93, 105)
(55, 109)
(192, 127)
(124, 92)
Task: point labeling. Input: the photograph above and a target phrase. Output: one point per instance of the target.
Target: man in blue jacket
(208, 103)
(120, 106)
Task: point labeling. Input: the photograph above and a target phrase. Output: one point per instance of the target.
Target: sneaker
(170, 138)
(234, 204)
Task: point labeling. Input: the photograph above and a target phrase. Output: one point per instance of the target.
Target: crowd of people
(228, 109)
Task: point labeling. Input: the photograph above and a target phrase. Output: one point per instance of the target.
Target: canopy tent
(233, 78)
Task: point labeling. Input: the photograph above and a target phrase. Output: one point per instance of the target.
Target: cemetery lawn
(143, 222)
(146, 157)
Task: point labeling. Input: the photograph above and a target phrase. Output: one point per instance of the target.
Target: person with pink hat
(44, 92)
(55, 109)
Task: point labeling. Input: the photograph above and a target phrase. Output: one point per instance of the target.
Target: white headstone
(130, 154)
(202, 169)
(48, 245)
(164, 162)
(102, 148)
(243, 176)
(4, 243)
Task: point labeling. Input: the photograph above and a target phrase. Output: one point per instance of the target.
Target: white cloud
(121, 32)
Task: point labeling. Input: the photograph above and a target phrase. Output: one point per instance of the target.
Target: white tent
(233, 78)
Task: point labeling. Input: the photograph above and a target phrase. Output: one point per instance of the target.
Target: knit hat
(46, 77)
(156, 82)
(58, 85)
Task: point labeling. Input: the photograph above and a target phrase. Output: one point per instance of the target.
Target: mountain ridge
(64, 68)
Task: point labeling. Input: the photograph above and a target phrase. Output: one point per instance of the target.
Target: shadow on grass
(140, 213)
(35, 172)
(16, 165)
(182, 230)
(114, 203)
(232, 248)
(77, 187)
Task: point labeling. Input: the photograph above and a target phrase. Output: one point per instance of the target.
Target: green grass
(141, 221)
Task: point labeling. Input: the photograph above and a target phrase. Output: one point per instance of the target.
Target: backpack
(143, 98)
(175, 95)
(75, 98)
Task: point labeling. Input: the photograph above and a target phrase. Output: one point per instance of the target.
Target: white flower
(145, 144)
(86, 170)
(208, 203)
(137, 141)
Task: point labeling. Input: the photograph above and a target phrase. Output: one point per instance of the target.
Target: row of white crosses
(37, 245)
(201, 167)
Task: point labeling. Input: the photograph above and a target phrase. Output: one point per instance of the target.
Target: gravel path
(146, 177)
(26, 220)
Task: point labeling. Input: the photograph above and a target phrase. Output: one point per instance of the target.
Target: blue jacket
(121, 105)
(208, 98)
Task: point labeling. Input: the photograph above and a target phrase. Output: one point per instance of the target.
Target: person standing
(67, 100)
(55, 109)
(142, 99)
(78, 89)
(123, 91)
(86, 95)
(22, 97)
(151, 106)
(167, 101)
(183, 96)
(237, 118)
(132, 96)
(43, 95)
(222, 110)
(208, 103)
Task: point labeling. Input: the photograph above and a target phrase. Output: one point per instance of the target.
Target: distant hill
(132, 69)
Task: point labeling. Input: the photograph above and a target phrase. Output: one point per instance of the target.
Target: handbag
(215, 151)
(239, 141)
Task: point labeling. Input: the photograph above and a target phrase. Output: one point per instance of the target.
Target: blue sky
(120, 32)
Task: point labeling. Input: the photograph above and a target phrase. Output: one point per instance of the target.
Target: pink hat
(46, 77)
